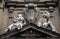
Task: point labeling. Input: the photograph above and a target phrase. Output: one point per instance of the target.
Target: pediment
(31, 30)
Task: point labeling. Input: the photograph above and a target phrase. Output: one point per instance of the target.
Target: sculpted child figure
(18, 22)
(45, 22)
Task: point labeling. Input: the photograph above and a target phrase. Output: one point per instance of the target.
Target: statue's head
(20, 14)
(46, 14)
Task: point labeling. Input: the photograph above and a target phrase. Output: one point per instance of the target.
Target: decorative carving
(10, 10)
(51, 9)
(30, 16)
(18, 22)
(45, 22)
(31, 12)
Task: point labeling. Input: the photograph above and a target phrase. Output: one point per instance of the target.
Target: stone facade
(6, 20)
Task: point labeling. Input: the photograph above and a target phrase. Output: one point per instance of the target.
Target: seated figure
(45, 21)
(18, 23)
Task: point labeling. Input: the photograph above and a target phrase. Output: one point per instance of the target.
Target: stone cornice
(22, 4)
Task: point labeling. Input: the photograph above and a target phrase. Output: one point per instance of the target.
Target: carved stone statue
(45, 22)
(31, 12)
(18, 22)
